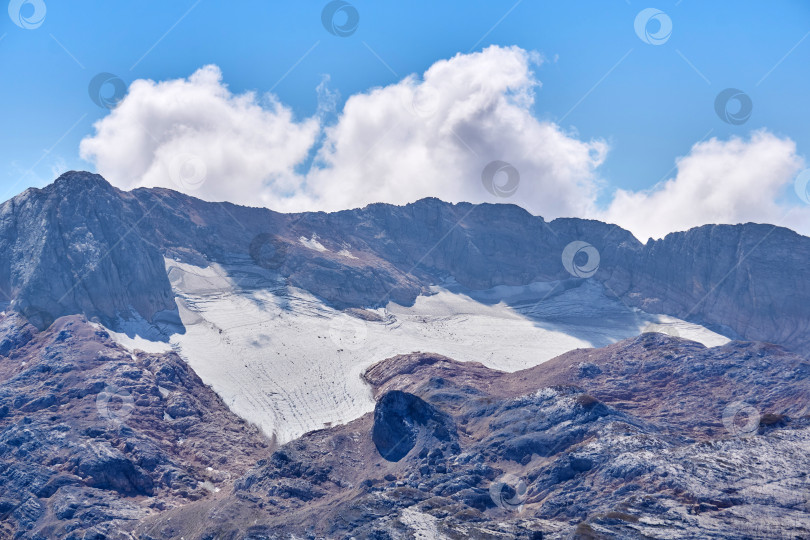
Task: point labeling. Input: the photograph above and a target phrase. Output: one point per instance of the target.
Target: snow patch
(132, 342)
(281, 358)
(423, 526)
(312, 243)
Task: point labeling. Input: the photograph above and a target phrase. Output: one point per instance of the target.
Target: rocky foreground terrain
(567, 449)
(652, 437)
(94, 439)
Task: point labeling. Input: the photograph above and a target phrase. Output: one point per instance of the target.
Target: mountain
(635, 440)
(171, 367)
(82, 246)
(70, 249)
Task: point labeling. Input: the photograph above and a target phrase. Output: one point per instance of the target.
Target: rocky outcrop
(653, 437)
(669, 381)
(399, 420)
(748, 280)
(74, 247)
(94, 438)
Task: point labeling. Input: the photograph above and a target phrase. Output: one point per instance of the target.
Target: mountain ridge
(99, 252)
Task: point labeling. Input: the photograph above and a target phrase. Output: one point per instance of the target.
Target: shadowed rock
(398, 419)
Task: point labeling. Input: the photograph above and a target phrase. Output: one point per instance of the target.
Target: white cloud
(733, 181)
(433, 136)
(423, 136)
(428, 136)
(194, 135)
(327, 99)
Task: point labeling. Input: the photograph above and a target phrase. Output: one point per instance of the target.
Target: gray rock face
(80, 246)
(73, 248)
(107, 468)
(752, 279)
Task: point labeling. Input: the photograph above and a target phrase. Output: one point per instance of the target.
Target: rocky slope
(71, 248)
(80, 246)
(745, 278)
(651, 437)
(654, 437)
(94, 439)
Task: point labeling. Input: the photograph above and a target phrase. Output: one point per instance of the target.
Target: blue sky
(600, 80)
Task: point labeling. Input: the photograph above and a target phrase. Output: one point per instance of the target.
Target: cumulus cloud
(428, 135)
(194, 135)
(434, 135)
(733, 181)
(423, 136)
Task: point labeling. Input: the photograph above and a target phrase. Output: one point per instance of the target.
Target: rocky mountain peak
(80, 180)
